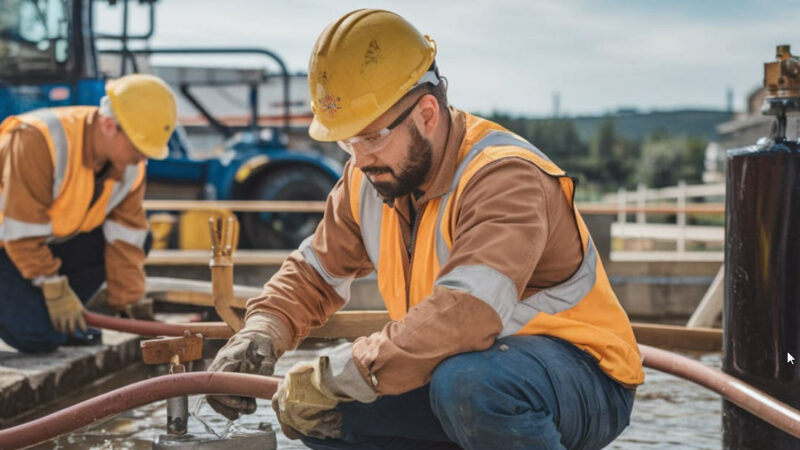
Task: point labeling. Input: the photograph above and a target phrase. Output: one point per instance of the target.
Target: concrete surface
(28, 381)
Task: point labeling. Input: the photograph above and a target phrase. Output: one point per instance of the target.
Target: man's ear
(108, 126)
(429, 111)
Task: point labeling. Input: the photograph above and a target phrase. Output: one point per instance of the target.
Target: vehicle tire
(285, 230)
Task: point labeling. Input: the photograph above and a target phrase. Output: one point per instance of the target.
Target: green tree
(668, 159)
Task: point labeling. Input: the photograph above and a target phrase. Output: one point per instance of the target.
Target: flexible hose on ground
(769, 409)
(209, 330)
(132, 396)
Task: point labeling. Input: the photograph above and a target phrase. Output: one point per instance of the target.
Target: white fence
(643, 231)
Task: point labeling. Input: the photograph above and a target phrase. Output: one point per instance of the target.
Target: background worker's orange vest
(73, 183)
(582, 310)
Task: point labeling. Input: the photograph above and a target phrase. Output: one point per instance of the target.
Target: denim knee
(468, 393)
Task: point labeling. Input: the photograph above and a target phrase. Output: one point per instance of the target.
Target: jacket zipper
(410, 253)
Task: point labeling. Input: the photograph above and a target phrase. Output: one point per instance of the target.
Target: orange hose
(767, 408)
(758, 403)
(132, 396)
(209, 330)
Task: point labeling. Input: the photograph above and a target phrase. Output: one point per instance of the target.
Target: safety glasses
(376, 141)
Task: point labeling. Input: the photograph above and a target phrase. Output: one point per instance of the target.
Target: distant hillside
(638, 125)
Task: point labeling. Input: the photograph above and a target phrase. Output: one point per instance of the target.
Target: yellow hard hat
(361, 65)
(144, 107)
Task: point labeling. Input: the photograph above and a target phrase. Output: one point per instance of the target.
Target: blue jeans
(525, 392)
(24, 321)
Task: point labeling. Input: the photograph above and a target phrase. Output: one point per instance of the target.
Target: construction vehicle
(49, 57)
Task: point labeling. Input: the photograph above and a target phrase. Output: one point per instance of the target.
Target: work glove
(251, 350)
(63, 305)
(306, 398)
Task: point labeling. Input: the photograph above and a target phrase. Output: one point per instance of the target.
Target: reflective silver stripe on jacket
(557, 298)
(495, 288)
(339, 284)
(113, 231)
(123, 187)
(12, 229)
(485, 283)
(370, 212)
(59, 138)
(492, 139)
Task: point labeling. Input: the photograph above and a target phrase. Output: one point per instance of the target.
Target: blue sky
(512, 55)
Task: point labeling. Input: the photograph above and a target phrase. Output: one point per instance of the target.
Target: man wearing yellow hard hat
(71, 216)
(504, 330)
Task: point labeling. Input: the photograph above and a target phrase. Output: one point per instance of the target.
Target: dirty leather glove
(63, 305)
(251, 350)
(306, 398)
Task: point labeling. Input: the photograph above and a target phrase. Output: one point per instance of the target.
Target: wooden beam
(673, 337)
(319, 206)
(353, 324)
(710, 307)
(236, 205)
(202, 257)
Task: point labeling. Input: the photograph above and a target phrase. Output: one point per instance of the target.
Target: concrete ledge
(29, 381)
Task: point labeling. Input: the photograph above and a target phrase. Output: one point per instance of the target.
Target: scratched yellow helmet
(361, 65)
(144, 107)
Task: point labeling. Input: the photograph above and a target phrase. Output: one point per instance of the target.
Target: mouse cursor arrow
(789, 358)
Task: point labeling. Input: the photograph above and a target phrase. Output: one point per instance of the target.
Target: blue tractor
(49, 57)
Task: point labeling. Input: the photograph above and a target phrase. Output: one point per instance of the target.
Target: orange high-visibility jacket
(73, 183)
(582, 310)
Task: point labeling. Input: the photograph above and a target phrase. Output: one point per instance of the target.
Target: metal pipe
(224, 237)
(767, 408)
(135, 395)
(209, 330)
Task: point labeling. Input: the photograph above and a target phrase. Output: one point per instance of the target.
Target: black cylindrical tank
(762, 286)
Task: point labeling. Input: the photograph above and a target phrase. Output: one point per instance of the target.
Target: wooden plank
(319, 206)
(202, 257)
(673, 337)
(658, 256)
(710, 307)
(667, 231)
(353, 324)
(235, 205)
(691, 208)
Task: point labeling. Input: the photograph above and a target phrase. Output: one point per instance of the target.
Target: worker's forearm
(298, 296)
(405, 353)
(124, 273)
(32, 257)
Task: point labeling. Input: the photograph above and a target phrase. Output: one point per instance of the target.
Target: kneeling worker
(71, 215)
(505, 331)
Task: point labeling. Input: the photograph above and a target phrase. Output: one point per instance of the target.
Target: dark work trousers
(24, 321)
(525, 392)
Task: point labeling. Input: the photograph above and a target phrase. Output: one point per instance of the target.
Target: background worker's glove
(251, 350)
(306, 398)
(63, 305)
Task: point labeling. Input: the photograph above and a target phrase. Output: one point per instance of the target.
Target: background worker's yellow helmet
(361, 65)
(144, 107)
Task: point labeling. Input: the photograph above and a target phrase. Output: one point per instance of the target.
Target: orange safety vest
(73, 183)
(582, 310)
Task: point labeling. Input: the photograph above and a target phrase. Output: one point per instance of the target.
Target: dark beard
(412, 173)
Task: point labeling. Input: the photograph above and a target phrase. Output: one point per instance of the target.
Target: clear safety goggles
(367, 144)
